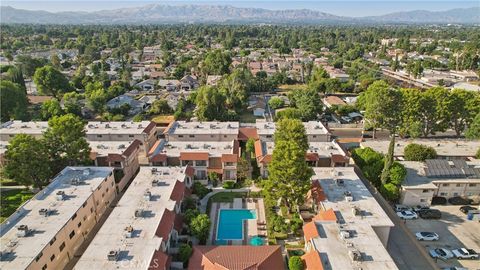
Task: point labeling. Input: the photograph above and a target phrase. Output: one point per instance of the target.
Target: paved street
(405, 250)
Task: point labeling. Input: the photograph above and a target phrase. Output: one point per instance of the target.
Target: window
(84, 217)
(191, 136)
(91, 209)
(445, 185)
(425, 191)
(224, 136)
(44, 267)
(39, 256)
(130, 135)
(472, 185)
(106, 190)
(455, 194)
(53, 240)
(201, 174)
(72, 234)
(269, 136)
(458, 185)
(202, 163)
(229, 163)
(79, 224)
(52, 258)
(84, 204)
(99, 136)
(443, 194)
(74, 216)
(62, 246)
(314, 136)
(99, 187)
(180, 136)
(120, 136)
(211, 136)
(423, 200)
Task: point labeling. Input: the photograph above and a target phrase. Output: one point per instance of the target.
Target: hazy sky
(339, 7)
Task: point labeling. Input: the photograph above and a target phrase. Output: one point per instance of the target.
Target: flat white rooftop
(103, 148)
(188, 128)
(311, 127)
(135, 252)
(25, 249)
(132, 128)
(19, 127)
(214, 149)
(444, 147)
(337, 184)
(323, 149)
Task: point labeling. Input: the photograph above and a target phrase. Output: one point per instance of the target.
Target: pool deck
(252, 228)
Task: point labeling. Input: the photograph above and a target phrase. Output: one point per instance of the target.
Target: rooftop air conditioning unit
(154, 182)
(129, 232)
(340, 182)
(356, 211)
(44, 212)
(348, 196)
(23, 231)
(112, 255)
(344, 234)
(139, 213)
(154, 170)
(355, 255)
(60, 195)
(147, 195)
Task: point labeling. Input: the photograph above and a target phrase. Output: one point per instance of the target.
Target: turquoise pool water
(230, 224)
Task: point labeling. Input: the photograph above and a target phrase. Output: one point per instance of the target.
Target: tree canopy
(50, 81)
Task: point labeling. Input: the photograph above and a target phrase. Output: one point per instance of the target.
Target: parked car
(407, 215)
(401, 207)
(427, 236)
(464, 253)
(464, 209)
(430, 214)
(459, 201)
(420, 208)
(441, 253)
(439, 201)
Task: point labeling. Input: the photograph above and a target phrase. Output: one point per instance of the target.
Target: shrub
(190, 214)
(295, 263)
(276, 102)
(228, 185)
(184, 253)
(390, 192)
(478, 154)
(419, 152)
(189, 203)
(281, 236)
(397, 174)
(200, 190)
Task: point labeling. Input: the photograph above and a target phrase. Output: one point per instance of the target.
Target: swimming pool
(230, 224)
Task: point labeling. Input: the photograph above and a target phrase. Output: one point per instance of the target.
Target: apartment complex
(439, 177)
(202, 131)
(351, 230)
(144, 228)
(205, 157)
(144, 131)
(46, 231)
(315, 130)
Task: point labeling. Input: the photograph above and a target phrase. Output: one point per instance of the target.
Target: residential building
(351, 230)
(47, 230)
(205, 157)
(213, 79)
(330, 101)
(445, 148)
(316, 131)
(135, 106)
(236, 258)
(202, 131)
(144, 228)
(439, 177)
(123, 156)
(169, 85)
(146, 85)
(11, 128)
(189, 83)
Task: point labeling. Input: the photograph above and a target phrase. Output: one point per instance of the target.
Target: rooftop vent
(44, 212)
(356, 211)
(355, 255)
(112, 255)
(23, 231)
(147, 195)
(154, 182)
(340, 182)
(344, 234)
(139, 213)
(154, 170)
(60, 195)
(348, 196)
(129, 232)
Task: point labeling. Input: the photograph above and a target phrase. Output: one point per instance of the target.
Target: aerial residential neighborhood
(240, 135)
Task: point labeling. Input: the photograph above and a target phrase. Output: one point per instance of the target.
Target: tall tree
(65, 140)
(16, 76)
(50, 81)
(26, 161)
(210, 104)
(51, 108)
(473, 131)
(307, 102)
(200, 226)
(216, 63)
(289, 174)
(13, 101)
(463, 106)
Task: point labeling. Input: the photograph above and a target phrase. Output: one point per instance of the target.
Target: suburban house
(48, 230)
(146, 85)
(213, 79)
(189, 83)
(439, 177)
(169, 85)
(204, 157)
(347, 210)
(236, 258)
(143, 230)
(136, 106)
(330, 101)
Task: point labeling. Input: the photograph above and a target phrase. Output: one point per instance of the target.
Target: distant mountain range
(158, 14)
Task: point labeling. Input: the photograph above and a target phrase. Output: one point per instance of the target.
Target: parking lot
(455, 231)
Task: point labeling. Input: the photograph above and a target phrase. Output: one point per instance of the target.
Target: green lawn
(227, 196)
(11, 200)
(247, 116)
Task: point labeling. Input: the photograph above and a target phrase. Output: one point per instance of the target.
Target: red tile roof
(166, 225)
(229, 158)
(193, 156)
(339, 159)
(189, 171)
(246, 133)
(312, 261)
(154, 147)
(115, 158)
(178, 223)
(158, 158)
(178, 191)
(312, 157)
(131, 148)
(236, 147)
(317, 193)
(150, 127)
(160, 261)
(258, 149)
(328, 215)
(310, 231)
(236, 258)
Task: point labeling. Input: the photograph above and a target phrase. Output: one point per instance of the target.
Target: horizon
(357, 8)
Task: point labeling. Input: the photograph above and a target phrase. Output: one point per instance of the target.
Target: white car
(407, 215)
(441, 253)
(427, 236)
(464, 253)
